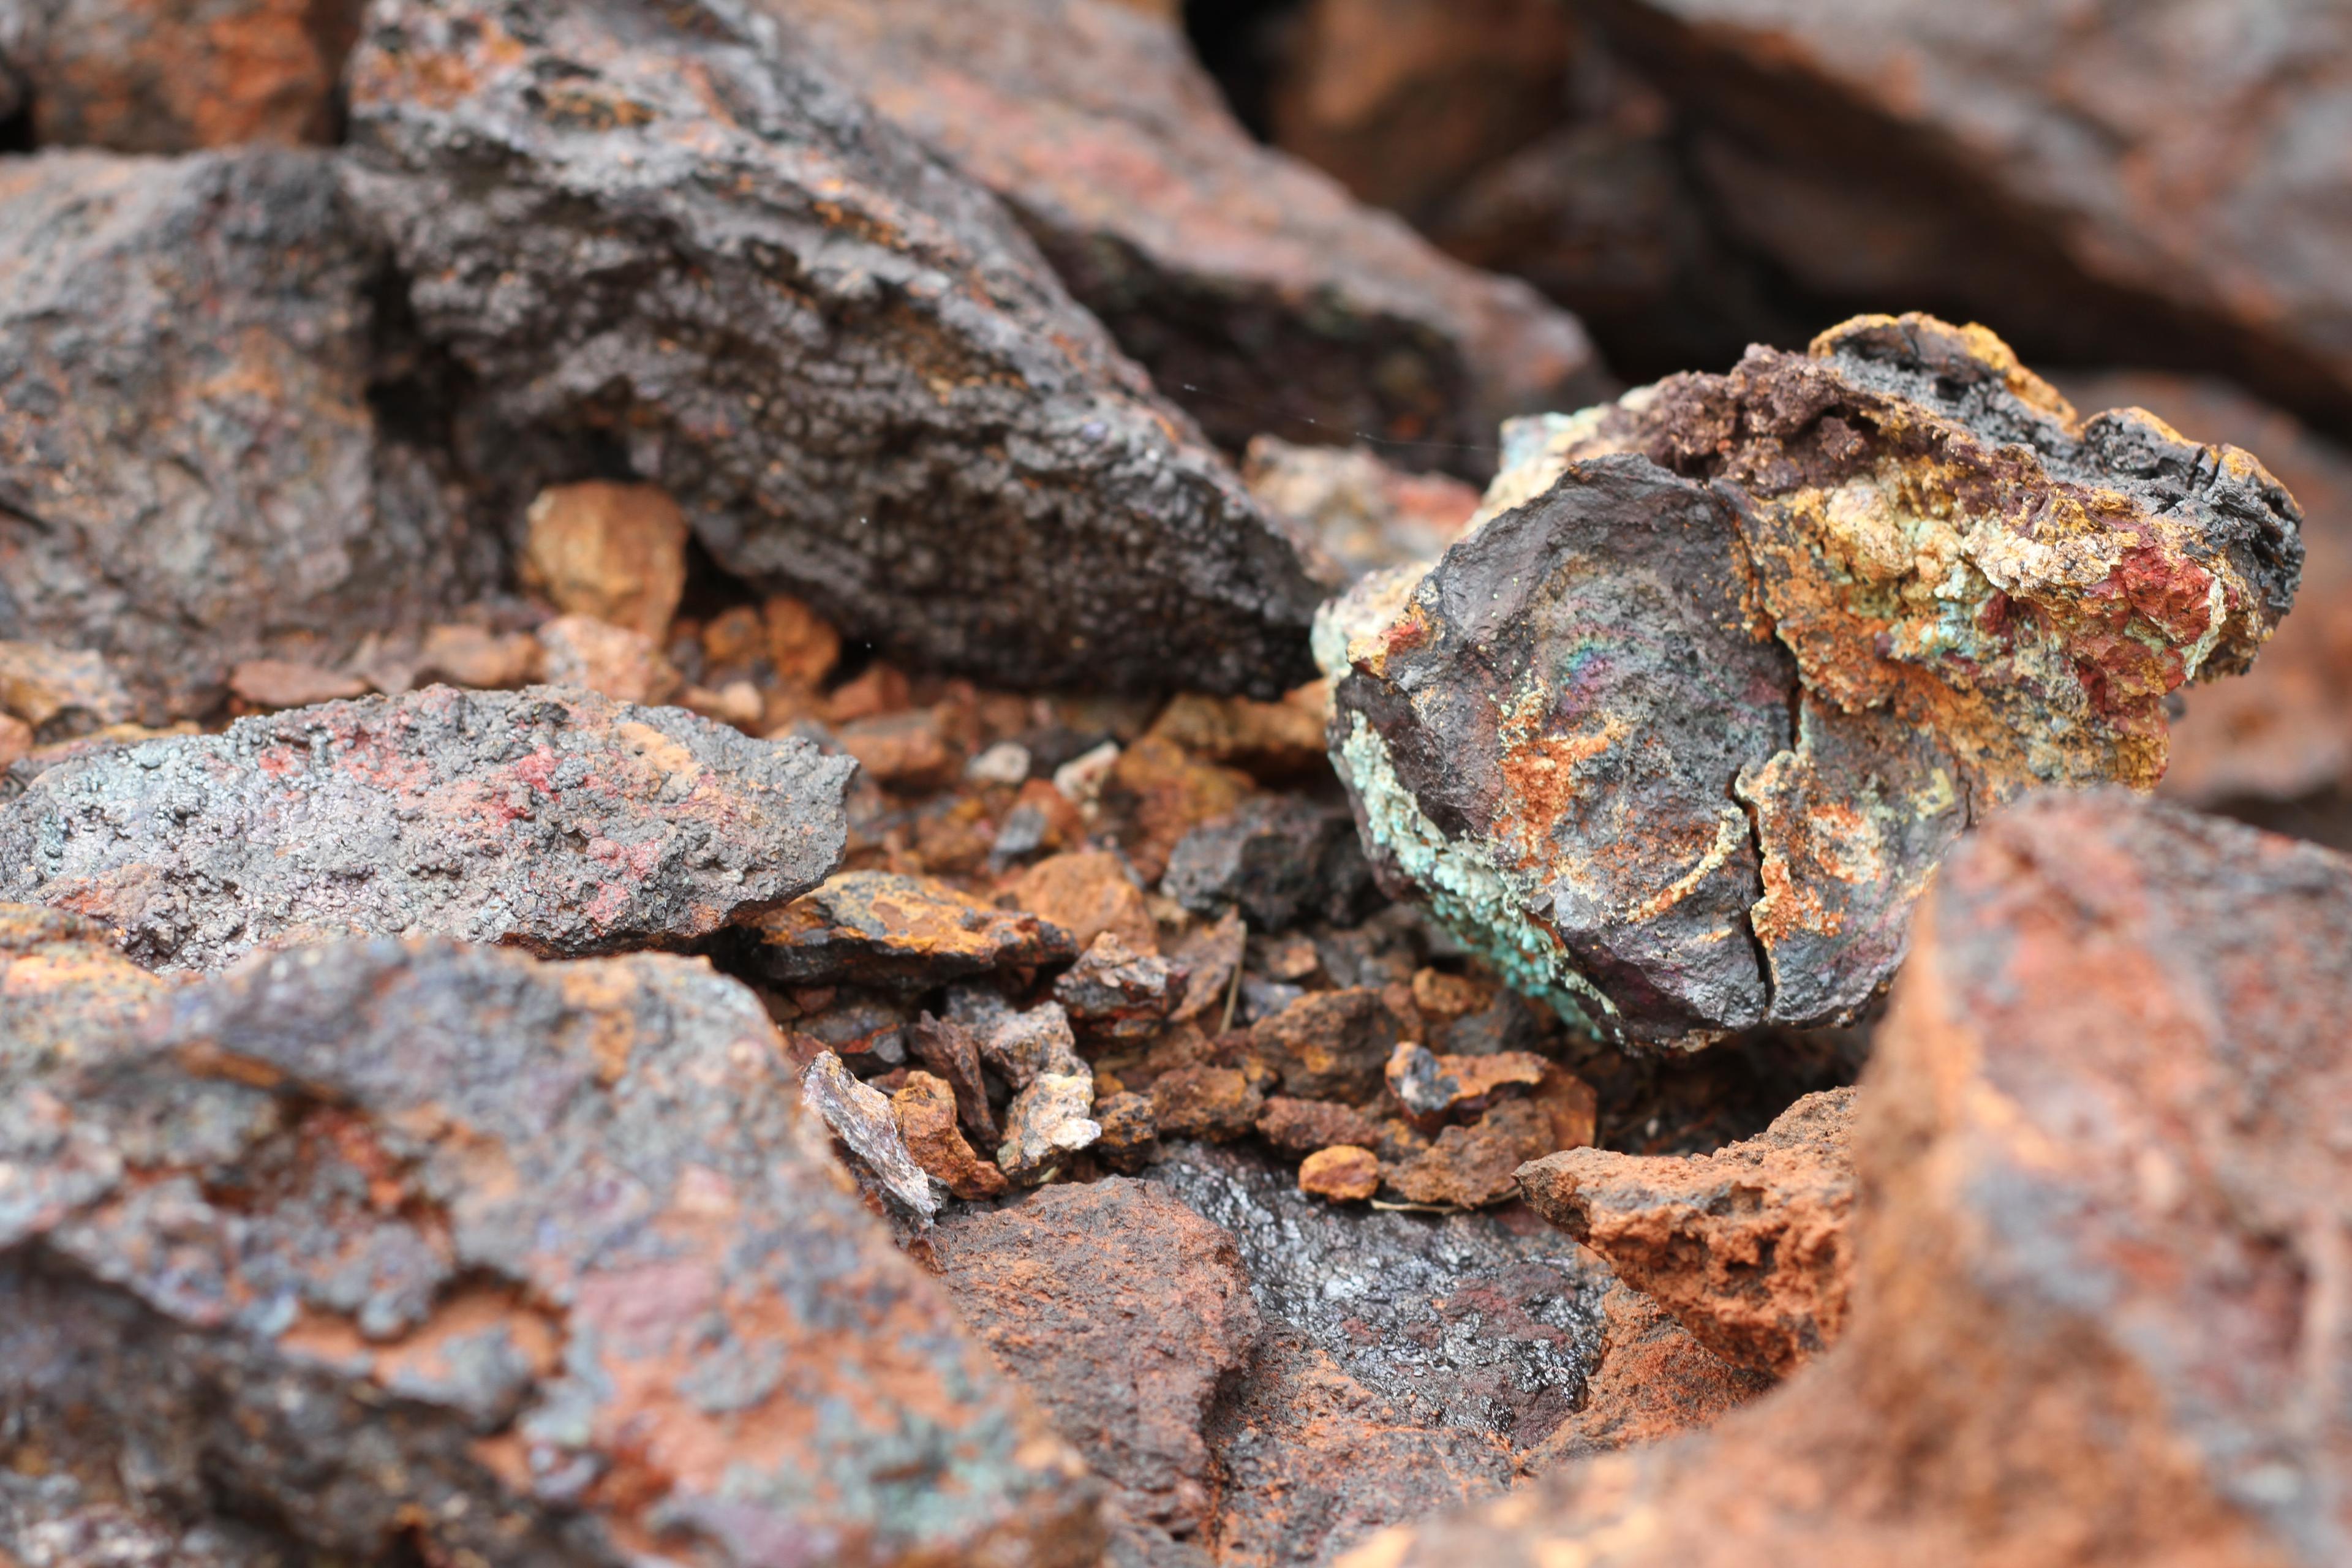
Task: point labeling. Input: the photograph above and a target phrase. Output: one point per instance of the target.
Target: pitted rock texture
(853, 372)
(55, 1522)
(547, 818)
(171, 76)
(1746, 1246)
(191, 474)
(1256, 292)
(2103, 1165)
(433, 1250)
(1676, 737)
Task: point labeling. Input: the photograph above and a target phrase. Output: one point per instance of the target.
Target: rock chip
(905, 933)
(1430, 1086)
(1117, 993)
(926, 1110)
(1206, 1101)
(1330, 1045)
(1365, 515)
(947, 1049)
(1905, 581)
(1343, 1173)
(1472, 1166)
(1050, 1119)
(615, 552)
(289, 683)
(191, 474)
(867, 1122)
(1654, 1381)
(58, 691)
(1087, 892)
(1130, 1131)
(551, 819)
(1252, 288)
(1303, 1126)
(854, 374)
(910, 752)
(1746, 1246)
(438, 1250)
(613, 662)
(1278, 859)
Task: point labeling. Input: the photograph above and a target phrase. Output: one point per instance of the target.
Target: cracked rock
(867, 1122)
(925, 1107)
(904, 934)
(1677, 736)
(854, 374)
(1113, 992)
(421, 1248)
(551, 819)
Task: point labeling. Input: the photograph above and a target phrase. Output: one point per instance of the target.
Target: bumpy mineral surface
(877, 928)
(1677, 735)
(549, 818)
(432, 1252)
(2099, 1241)
(852, 369)
(191, 474)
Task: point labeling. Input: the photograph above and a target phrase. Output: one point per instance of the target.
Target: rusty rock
(1271, 741)
(286, 683)
(551, 819)
(475, 656)
(1330, 1045)
(867, 1122)
(63, 986)
(1746, 1246)
(613, 552)
(1050, 1119)
(15, 742)
(1343, 1173)
(926, 1112)
(613, 662)
(1365, 515)
(910, 752)
(1016, 1046)
(1472, 1166)
(434, 1249)
(1247, 281)
(1431, 1085)
(1130, 1131)
(905, 933)
(190, 472)
(1907, 582)
(1303, 1126)
(1206, 1101)
(854, 374)
(1114, 993)
(1654, 1381)
(60, 692)
(1278, 859)
(948, 1050)
(1087, 892)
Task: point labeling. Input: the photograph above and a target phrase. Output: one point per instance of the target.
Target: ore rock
(1114, 993)
(1248, 284)
(867, 1122)
(424, 1248)
(190, 471)
(903, 933)
(1278, 859)
(925, 1108)
(948, 1049)
(1049, 1120)
(1677, 736)
(2101, 1167)
(852, 371)
(551, 819)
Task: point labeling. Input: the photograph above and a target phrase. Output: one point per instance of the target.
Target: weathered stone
(1303, 1126)
(1087, 892)
(2101, 1169)
(1271, 741)
(863, 1117)
(1746, 1246)
(1115, 993)
(1431, 1085)
(1654, 1381)
(1205, 1101)
(613, 662)
(802, 646)
(53, 1520)
(1130, 1131)
(908, 751)
(475, 656)
(1278, 859)
(551, 819)
(1472, 1166)
(1905, 581)
(1252, 288)
(63, 986)
(59, 692)
(926, 1112)
(190, 473)
(947, 1049)
(1343, 1173)
(172, 76)
(1016, 1046)
(907, 934)
(613, 552)
(15, 742)
(1330, 1045)
(1159, 793)
(1050, 1119)
(857, 377)
(1365, 515)
(287, 683)
(438, 1250)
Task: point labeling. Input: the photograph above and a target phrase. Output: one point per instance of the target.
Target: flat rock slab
(852, 369)
(905, 933)
(434, 1249)
(191, 471)
(1677, 735)
(550, 818)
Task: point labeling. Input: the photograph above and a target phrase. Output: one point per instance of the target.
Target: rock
(15, 742)
(1343, 1173)
(1205, 1101)
(867, 1122)
(1654, 1381)
(1087, 892)
(63, 986)
(1330, 1045)
(1120, 1310)
(172, 76)
(2100, 1163)
(906, 751)
(190, 471)
(802, 646)
(1278, 859)
(550, 819)
(475, 656)
(1902, 543)
(904, 934)
(284, 683)
(1160, 793)
(857, 377)
(1252, 288)
(1016, 1046)
(1472, 1166)
(947, 1049)
(613, 661)
(1271, 741)
(925, 1108)
(1365, 515)
(55, 1521)
(58, 691)
(1130, 1131)
(615, 552)
(437, 1250)
(1747, 1246)
(1049, 1120)
(1212, 955)
(1430, 1086)
(1114, 993)
(1303, 1126)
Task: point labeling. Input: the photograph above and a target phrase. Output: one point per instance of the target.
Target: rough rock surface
(1746, 1246)
(190, 471)
(867, 1122)
(438, 1250)
(1278, 859)
(854, 373)
(1676, 737)
(547, 818)
(2100, 1238)
(912, 934)
(925, 1108)
(1366, 514)
(1255, 290)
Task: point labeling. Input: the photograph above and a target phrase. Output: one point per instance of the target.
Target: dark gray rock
(1279, 859)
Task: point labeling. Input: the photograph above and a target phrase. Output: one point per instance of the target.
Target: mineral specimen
(905, 933)
(1677, 735)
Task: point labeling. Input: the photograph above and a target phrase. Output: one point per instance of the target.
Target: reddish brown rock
(1472, 1166)
(1365, 514)
(1343, 1173)
(1204, 1101)
(854, 373)
(1747, 1246)
(1303, 1126)
(1432, 1088)
(1654, 1381)
(63, 988)
(58, 691)
(947, 1049)
(551, 819)
(1120, 1310)
(1114, 993)
(866, 1124)
(2101, 1161)
(907, 934)
(1161, 794)
(1130, 1130)
(1330, 1045)
(1252, 288)
(1271, 741)
(15, 741)
(613, 661)
(284, 683)
(438, 1250)
(611, 551)
(910, 752)
(466, 655)
(926, 1112)
(802, 646)
(1087, 892)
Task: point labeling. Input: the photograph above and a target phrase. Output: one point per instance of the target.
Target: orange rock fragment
(1343, 1173)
